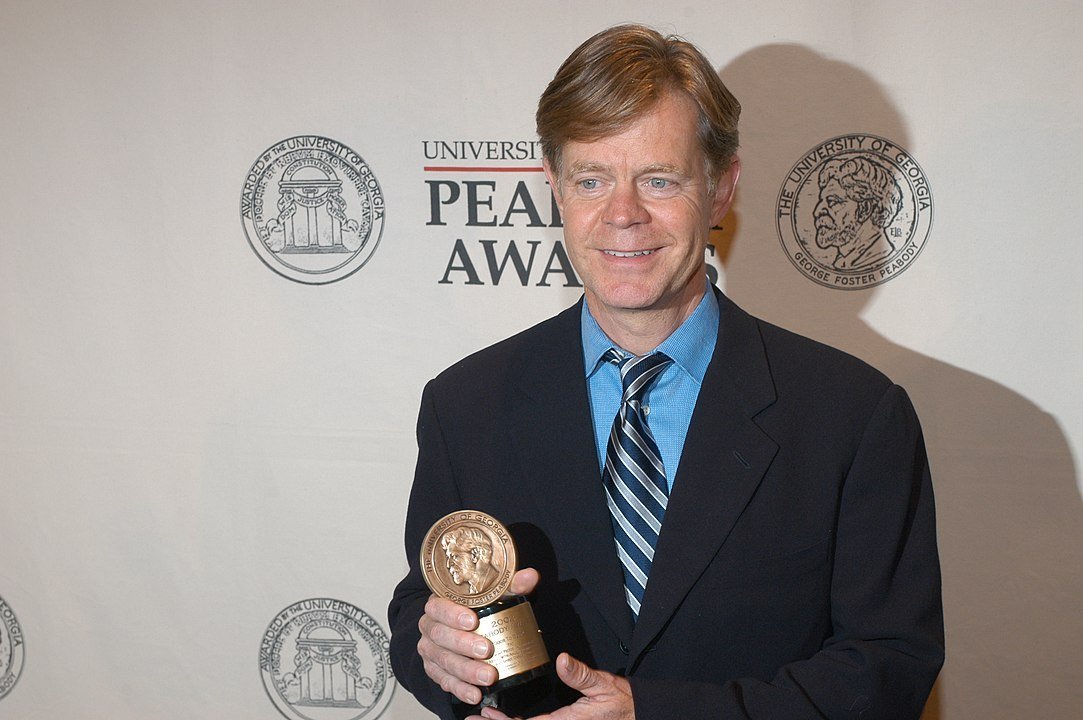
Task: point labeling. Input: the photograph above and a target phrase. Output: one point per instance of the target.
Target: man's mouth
(636, 253)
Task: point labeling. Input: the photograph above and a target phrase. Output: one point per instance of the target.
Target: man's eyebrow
(588, 167)
(663, 169)
(582, 166)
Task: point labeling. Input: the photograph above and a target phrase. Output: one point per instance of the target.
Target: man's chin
(825, 241)
(620, 298)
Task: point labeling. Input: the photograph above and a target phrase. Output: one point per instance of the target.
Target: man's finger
(461, 642)
(524, 581)
(463, 668)
(451, 614)
(466, 692)
(577, 675)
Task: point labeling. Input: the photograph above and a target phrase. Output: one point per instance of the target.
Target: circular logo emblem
(312, 209)
(468, 557)
(324, 659)
(854, 212)
(11, 649)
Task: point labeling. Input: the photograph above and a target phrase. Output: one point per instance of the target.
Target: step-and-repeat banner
(236, 239)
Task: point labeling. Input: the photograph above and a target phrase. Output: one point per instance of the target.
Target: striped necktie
(634, 478)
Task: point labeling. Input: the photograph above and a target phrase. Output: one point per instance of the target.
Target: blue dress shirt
(672, 397)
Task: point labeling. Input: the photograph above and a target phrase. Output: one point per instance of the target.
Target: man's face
(460, 563)
(637, 212)
(836, 216)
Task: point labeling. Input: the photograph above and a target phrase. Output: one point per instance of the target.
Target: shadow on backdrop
(1010, 518)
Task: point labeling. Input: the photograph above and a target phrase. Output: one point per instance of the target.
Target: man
(469, 558)
(790, 570)
(859, 198)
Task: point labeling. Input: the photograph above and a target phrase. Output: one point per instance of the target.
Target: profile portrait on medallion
(469, 557)
(859, 199)
(312, 209)
(854, 212)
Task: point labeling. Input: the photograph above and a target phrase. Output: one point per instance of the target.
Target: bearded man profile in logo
(859, 199)
(470, 558)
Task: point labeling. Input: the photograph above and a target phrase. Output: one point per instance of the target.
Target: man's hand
(605, 696)
(452, 653)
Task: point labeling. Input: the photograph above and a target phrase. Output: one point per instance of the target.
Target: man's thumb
(575, 674)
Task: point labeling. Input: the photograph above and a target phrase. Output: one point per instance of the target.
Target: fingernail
(466, 620)
(481, 650)
(486, 676)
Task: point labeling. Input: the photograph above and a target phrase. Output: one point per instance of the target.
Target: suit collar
(725, 457)
(691, 346)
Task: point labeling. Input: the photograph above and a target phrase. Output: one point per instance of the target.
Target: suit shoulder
(795, 358)
(824, 394)
(491, 365)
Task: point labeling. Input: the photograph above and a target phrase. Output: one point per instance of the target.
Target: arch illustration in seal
(324, 659)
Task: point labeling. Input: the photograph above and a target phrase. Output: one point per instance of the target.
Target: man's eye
(588, 184)
(658, 183)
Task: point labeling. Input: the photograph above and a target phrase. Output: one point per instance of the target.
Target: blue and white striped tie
(634, 478)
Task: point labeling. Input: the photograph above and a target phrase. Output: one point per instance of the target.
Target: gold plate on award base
(517, 642)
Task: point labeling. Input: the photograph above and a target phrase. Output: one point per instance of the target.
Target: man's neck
(861, 241)
(640, 331)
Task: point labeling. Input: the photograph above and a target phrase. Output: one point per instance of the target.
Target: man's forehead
(664, 132)
(834, 185)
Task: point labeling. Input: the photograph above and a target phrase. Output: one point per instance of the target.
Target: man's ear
(554, 184)
(724, 190)
(475, 555)
(865, 210)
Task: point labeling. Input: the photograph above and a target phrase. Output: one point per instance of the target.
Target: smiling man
(717, 518)
(638, 207)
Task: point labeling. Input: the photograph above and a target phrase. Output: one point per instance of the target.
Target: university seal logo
(11, 649)
(854, 212)
(324, 659)
(312, 209)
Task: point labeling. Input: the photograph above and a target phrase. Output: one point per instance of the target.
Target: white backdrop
(191, 443)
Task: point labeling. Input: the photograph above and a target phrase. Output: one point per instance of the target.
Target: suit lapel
(556, 442)
(724, 459)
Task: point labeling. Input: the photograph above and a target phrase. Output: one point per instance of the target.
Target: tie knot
(637, 373)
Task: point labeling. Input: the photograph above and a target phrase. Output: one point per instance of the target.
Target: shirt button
(646, 410)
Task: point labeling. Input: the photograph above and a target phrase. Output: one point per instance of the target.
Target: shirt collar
(691, 345)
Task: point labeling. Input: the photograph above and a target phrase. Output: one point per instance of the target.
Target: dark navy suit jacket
(796, 573)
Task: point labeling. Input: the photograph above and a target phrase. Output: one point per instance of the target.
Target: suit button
(623, 647)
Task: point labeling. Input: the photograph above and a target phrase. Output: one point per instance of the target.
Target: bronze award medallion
(469, 558)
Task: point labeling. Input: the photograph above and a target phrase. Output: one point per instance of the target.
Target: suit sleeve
(434, 494)
(887, 641)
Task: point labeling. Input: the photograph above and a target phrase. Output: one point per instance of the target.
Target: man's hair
(872, 186)
(469, 539)
(618, 76)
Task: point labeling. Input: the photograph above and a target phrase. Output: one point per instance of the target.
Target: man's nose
(625, 207)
